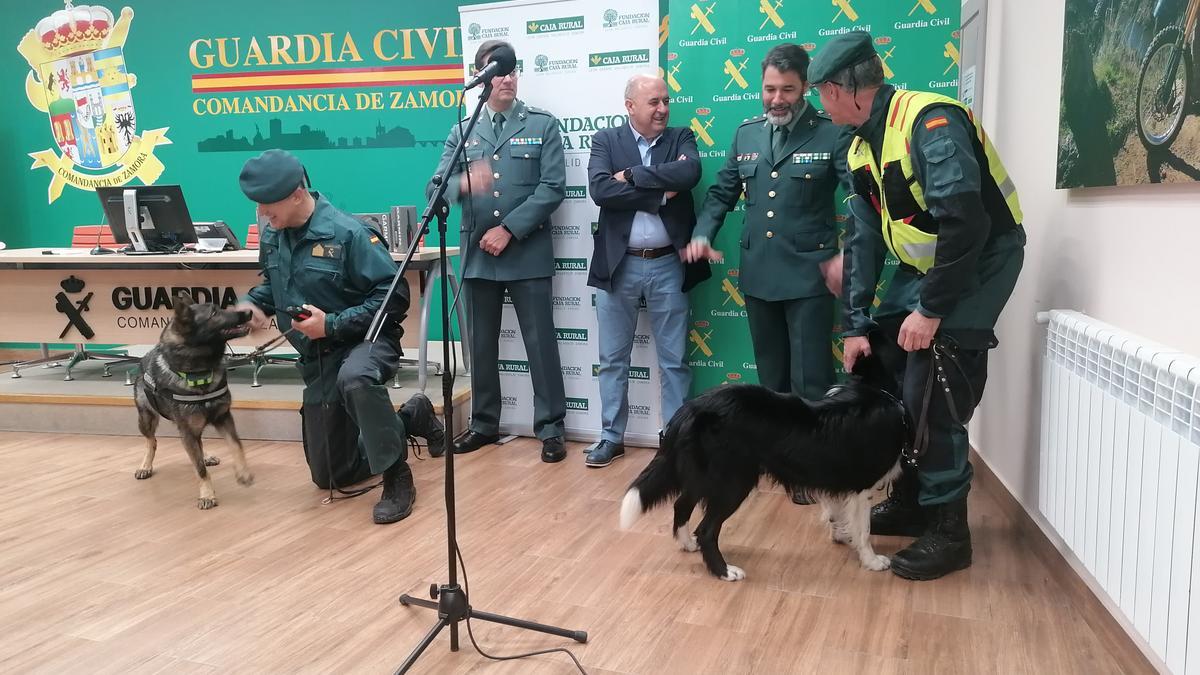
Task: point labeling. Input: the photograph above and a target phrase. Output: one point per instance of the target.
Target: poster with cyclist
(1130, 108)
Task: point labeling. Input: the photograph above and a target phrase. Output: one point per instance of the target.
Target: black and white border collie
(844, 449)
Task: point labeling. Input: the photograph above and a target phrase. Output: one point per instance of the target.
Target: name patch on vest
(810, 157)
(333, 251)
(525, 141)
(747, 157)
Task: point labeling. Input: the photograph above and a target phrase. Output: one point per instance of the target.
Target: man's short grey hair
(865, 75)
(636, 81)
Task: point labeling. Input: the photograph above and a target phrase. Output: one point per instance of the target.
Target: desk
(72, 296)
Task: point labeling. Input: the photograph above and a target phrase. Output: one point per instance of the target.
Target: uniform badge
(525, 141)
(332, 251)
(810, 157)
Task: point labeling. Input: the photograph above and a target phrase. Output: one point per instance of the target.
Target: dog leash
(942, 353)
(267, 346)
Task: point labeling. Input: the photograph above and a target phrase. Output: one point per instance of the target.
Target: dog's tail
(659, 481)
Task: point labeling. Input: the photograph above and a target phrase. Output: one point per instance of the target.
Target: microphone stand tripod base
(452, 607)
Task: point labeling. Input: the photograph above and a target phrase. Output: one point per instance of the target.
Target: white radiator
(1120, 444)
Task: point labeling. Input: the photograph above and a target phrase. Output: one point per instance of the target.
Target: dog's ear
(182, 304)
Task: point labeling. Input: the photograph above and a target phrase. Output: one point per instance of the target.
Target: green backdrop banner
(713, 68)
(365, 98)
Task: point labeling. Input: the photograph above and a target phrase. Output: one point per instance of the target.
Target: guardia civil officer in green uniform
(517, 178)
(328, 262)
(930, 188)
(786, 165)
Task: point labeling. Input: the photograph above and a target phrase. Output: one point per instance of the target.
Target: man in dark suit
(641, 175)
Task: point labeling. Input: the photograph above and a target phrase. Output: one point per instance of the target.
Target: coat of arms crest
(78, 77)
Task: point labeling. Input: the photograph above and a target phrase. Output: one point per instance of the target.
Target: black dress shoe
(472, 441)
(553, 450)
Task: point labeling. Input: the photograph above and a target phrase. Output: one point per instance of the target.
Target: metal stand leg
(257, 365)
(463, 328)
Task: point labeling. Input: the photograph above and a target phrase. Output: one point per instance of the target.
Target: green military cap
(271, 176)
(843, 51)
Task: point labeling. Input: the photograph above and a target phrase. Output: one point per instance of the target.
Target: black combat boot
(899, 515)
(398, 496)
(420, 420)
(944, 548)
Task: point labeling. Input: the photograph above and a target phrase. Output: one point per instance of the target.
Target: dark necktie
(777, 143)
(498, 124)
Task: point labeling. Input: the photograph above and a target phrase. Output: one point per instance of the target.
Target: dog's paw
(206, 503)
(212, 460)
(687, 541)
(245, 478)
(733, 573)
(143, 474)
(877, 563)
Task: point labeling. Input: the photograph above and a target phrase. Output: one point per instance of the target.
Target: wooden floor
(103, 573)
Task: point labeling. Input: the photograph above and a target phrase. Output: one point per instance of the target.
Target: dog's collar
(190, 380)
(197, 379)
(188, 398)
(906, 451)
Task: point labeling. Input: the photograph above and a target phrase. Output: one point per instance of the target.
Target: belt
(650, 253)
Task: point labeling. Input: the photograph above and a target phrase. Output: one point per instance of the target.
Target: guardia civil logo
(78, 77)
(701, 128)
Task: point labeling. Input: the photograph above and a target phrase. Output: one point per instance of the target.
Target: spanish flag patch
(374, 240)
(936, 122)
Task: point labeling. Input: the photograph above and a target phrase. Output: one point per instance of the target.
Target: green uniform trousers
(793, 344)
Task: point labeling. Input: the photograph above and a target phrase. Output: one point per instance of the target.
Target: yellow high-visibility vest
(908, 228)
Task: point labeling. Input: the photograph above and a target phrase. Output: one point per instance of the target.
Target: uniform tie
(777, 142)
(498, 124)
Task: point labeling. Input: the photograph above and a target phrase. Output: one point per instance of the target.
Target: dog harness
(191, 381)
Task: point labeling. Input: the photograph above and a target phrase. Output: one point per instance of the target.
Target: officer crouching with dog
(319, 258)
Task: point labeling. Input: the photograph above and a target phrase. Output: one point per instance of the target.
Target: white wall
(1129, 256)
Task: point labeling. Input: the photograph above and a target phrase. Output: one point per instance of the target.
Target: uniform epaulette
(538, 111)
(753, 120)
(824, 115)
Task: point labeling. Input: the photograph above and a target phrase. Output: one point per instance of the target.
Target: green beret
(843, 51)
(271, 176)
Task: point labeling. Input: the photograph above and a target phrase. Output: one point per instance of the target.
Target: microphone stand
(451, 602)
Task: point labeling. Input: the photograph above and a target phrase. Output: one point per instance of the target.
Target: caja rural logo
(78, 77)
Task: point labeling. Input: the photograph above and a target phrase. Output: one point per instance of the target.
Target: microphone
(501, 62)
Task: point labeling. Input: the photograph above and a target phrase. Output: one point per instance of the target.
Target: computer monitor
(148, 217)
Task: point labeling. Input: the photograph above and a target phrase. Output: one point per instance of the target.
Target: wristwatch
(628, 174)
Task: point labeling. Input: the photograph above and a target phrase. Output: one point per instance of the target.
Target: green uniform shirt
(529, 182)
(335, 263)
(788, 226)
